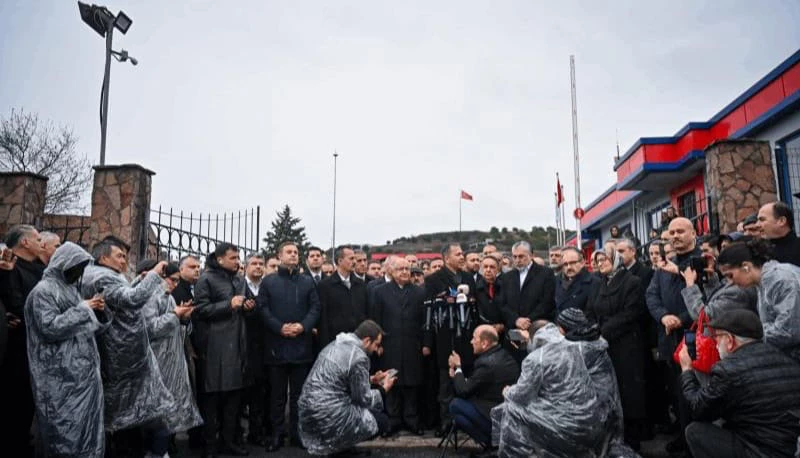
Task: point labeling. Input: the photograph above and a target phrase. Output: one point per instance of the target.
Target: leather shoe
(233, 449)
(274, 444)
(296, 443)
(441, 431)
(417, 431)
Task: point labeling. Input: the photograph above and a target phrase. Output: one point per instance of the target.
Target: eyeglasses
(572, 263)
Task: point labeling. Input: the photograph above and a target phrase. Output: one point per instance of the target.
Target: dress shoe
(417, 431)
(442, 431)
(676, 446)
(274, 444)
(296, 443)
(233, 449)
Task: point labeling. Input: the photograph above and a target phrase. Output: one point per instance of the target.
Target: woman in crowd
(163, 319)
(617, 305)
(749, 263)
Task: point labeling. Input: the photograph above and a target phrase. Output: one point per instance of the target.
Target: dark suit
(489, 305)
(577, 293)
(184, 292)
(436, 284)
(481, 391)
(401, 313)
(256, 396)
(342, 309)
(535, 300)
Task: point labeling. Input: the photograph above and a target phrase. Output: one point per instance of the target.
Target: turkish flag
(465, 195)
(559, 194)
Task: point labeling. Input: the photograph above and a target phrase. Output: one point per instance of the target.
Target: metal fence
(174, 234)
(788, 165)
(71, 228)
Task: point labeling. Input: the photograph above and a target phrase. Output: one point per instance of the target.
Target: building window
(687, 205)
(655, 217)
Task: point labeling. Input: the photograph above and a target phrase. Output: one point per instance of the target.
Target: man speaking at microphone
(440, 284)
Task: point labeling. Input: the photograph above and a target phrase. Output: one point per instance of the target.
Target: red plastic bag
(707, 354)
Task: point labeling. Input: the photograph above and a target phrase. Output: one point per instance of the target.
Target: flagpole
(579, 243)
(459, 210)
(563, 221)
(558, 224)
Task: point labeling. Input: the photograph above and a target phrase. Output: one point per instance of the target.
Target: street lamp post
(333, 237)
(100, 19)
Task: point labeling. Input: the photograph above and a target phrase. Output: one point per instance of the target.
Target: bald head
(682, 235)
(484, 338)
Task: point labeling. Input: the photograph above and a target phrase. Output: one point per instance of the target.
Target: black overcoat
(342, 309)
(440, 282)
(618, 306)
(401, 313)
(534, 300)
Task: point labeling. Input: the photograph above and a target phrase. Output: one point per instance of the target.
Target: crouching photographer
(339, 407)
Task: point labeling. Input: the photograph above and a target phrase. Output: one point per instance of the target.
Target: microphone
(461, 299)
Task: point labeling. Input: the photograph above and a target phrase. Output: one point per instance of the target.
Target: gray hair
(628, 242)
(556, 248)
(575, 250)
(521, 244)
(17, 233)
(188, 256)
(47, 236)
(254, 255)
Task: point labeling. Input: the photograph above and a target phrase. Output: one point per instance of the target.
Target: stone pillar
(21, 199)
(739, 179)
(121, 206)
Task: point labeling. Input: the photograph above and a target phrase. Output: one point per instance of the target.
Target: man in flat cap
(755, 388)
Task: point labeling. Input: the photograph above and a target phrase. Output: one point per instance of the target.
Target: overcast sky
(238, 104)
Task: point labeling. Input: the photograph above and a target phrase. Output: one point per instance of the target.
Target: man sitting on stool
(494, 368)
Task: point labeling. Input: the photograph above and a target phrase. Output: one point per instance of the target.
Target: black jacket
(255, 340)
(576, 295)
(663, 297)
(182, 292)
(3, 332)
(342, 309)
(401, 313)
(787, 249)
(15, 286)
(644, 273)
(489, 308)
(222, 344)
(536, 299)
(288, 297)
(756, 390)
(436, 284)
(618, 306)
(646, 323)
(492, 371)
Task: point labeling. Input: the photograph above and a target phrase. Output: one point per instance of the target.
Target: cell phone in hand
(515, 335)
(391, 373)
(690, 338)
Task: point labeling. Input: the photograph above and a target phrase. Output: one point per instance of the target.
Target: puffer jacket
(756, 390)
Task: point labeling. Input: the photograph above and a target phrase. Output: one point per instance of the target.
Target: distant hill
(503, 238)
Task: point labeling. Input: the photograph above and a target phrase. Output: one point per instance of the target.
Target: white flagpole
(579, 243)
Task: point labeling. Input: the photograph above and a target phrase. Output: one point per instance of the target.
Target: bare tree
(29, 145)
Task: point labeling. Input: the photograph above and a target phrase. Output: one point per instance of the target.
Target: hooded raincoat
(64, 363)
(166, 340)
(336, 398)
(554, 408)
(779, 306)
(134, 391)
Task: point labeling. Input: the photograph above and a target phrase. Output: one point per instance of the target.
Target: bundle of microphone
(452, 310)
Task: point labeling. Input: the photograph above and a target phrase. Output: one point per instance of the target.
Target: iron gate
(175, 234)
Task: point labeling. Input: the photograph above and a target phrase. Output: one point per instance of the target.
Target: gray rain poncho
(779, 306)
(601, 370)
(166, 340)
(553, 409)
(336, 398)
(134, 392)
(64, 363)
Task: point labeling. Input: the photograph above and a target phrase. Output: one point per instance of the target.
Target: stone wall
(22, 197)
(71, 228)
(121, 206)
(739, 179)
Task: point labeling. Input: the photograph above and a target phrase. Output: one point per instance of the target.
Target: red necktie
(491, 290)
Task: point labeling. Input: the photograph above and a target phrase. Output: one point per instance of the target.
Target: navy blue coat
(578, 292)
(664, 298)
(288, 297)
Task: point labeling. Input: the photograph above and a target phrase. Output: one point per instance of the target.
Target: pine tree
(284, 228)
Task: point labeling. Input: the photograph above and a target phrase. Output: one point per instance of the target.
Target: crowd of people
(569, 356)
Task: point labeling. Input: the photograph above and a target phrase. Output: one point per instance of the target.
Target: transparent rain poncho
(134, 392)
(336, 398)
(64, 362)
(166, 340)
(601, 370)
(553, 410)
